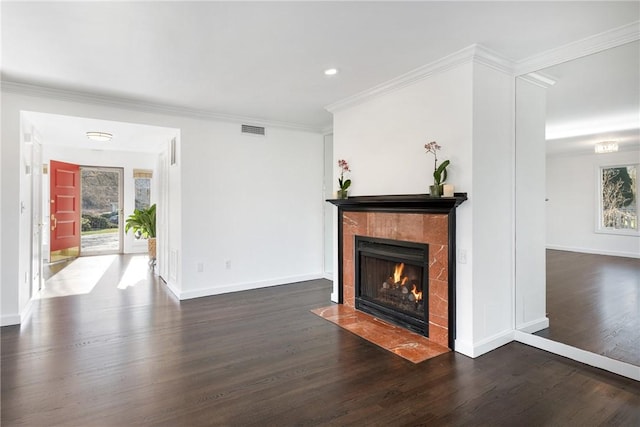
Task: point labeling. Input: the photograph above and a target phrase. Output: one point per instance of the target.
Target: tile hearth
(400, 341)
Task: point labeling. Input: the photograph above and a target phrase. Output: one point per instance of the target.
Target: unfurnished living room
(319, 213)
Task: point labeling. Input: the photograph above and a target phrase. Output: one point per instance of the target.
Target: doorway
(101, 219)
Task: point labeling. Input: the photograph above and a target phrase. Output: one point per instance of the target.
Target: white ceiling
(67, 131)
(595, 98)
(265, 60)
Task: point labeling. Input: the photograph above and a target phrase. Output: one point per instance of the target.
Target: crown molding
(328, 130)
(474, 53)
(587, 46)
(142, 106)
(492, 59)
(539, 79)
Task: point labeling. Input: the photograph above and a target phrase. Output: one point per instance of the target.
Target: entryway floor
(400, 341)
(96, 243)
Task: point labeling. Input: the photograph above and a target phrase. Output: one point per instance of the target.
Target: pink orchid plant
(439, 172)
(344, 167)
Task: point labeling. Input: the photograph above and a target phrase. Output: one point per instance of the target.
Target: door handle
(55, 222)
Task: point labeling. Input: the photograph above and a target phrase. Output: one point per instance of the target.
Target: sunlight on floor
(79, 277)
(136, 272)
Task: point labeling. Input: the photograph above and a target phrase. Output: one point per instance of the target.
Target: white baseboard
(9, 319)
(334, 297)
(17, 319)
(617, 367)
(236, 287)
(534, 325)
(593, 251)
(484, 346)
(328, 275)
(174, 290)
(464, 347)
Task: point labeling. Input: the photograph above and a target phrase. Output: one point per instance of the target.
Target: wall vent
(253, 130)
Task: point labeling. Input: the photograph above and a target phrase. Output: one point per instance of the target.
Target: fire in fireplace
(391, 280)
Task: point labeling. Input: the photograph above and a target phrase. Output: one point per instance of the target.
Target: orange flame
(418, 295)
(397, 274)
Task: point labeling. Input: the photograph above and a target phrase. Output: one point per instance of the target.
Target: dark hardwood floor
(134, 355)
(593, 303)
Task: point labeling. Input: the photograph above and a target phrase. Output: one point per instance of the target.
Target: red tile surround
(395, 339)
(428, 228)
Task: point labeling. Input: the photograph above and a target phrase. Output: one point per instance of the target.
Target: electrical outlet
(200, 267)
(462, 256)
(227, 264)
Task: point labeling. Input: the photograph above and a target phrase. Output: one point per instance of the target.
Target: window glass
(618, 198)
(142, 193)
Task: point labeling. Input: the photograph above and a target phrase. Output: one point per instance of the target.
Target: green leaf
(440, 174)
(142, 221)
(346, 184)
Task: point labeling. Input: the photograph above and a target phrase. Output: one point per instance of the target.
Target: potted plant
(342, 183)
(439, 172)
(143, 224)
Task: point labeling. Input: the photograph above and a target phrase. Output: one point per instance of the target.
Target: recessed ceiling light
(331, 71)
(99, 136)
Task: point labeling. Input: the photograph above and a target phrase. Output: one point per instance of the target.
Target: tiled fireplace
(414, 234)
(391, 281)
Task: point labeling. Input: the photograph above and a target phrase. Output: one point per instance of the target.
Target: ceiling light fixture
(99, 136)
(331, 72)
(606, 147)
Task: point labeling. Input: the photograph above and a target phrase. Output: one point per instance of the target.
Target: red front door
(65, 210)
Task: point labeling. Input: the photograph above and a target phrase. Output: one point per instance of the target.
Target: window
(618, 199)
(142, 182)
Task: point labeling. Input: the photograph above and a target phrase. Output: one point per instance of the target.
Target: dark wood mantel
(409, 202)
(415, 217)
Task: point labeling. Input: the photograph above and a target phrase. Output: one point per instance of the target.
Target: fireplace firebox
(392, 281)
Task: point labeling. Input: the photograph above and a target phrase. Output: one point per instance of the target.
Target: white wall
(467, 110)
(128, 161)
(329, 213)
(572, 191)
(254, 201)
(11, 172)
(253, 204)
(383, 139)
(492, 203)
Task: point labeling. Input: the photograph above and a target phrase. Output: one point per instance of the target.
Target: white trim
(174, 290)
(490, 58)
(587, 46)
(475, 52)
(617, 367)
(463, 347)
(9, 319)
(617, 231)
(142, 106)
(534, 325)
(485, 345)
(18, 319)
(593, 251)
(236, 287)
(328, 130)
(328, 275)
(334, 297)
(539, 79)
